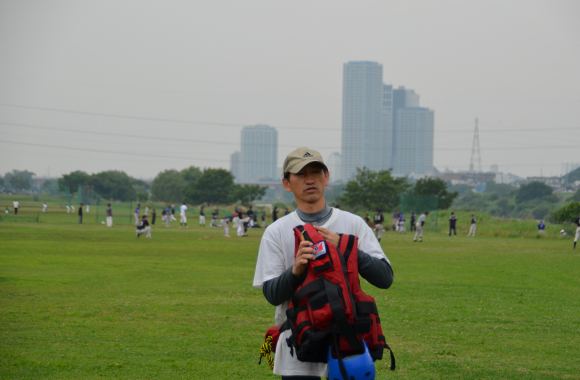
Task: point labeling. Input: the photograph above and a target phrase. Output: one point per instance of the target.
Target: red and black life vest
(329, 307)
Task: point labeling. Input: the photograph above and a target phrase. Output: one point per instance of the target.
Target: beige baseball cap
(299, 158)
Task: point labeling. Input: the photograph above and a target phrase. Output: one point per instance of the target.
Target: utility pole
(475, 151)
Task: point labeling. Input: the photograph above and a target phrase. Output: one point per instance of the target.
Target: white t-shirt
(276, 255)
(182, 210)
(422, 218)
(16, 204)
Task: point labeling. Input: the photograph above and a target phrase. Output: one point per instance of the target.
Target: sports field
(91, 302)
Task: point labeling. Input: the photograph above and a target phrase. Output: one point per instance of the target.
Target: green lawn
(90, 302)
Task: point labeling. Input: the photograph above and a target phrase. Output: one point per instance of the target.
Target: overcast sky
(170, 84)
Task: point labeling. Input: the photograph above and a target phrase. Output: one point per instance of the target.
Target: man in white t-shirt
(183, 215)
(419, 226)
(44, 207)
(473, 226)
(16, 206)
(278, 271)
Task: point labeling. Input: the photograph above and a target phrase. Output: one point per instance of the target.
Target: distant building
(366, 131)
(259, 154)
(236, 165)
(494, 169)
(413, 142)
(334, 164)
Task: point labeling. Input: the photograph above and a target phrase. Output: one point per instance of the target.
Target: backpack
(329, 307)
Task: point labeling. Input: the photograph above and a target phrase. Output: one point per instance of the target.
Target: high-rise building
(334, 165)
(236, 165)
(259, 154)
(413, 141)
(364, 128)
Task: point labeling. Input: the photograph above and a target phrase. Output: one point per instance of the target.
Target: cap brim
(301, 165)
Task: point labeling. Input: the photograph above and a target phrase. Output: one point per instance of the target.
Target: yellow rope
(265, 351)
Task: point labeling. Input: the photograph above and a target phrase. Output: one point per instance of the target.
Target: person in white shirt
(16, 206)
(183, 215)
(146, 210)
(473, 227)
(241, 228)
(419, 226)
(278, 269)
(44, 207)
(67, 208)
(72, 208)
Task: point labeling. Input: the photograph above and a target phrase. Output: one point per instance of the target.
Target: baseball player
(419, 226)
(225, 223)
(16, 206)
(379, 219)
(201, 217)
(183, 215)
(452, 222)
(44, 207)
(67, 209)
(143, 228)
(136, 214)
(402, 228)
(473, 227)
(413, 221)
(541, 227)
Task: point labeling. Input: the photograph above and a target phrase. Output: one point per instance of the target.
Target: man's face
(308, 184)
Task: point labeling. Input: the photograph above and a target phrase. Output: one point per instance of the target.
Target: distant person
(263, 219)
(275, 214)
(167, 216)
(136, 213)
(243, 225)
(419, 226)
(250, 214)
(81, 214)
(541, 227)
(109, 212)
(367, 219)
(452, 223)
(144, 228)
(146, 210)
(16, 206)
(379, 219)
(72, 208)
(173, 213)
(183, 216)
(87, 208)
(44, 207)
(201, 217)
(286, 212)
(473, 227)
(7, 211)
(402, 228)
(337, 206)
(577, 222)
(153, 216)
(214, 218)
(67, 208)
(163, 214)
(413, 221)
(225, 223)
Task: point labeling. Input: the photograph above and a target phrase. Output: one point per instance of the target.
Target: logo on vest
(319, 249)
(307, 155)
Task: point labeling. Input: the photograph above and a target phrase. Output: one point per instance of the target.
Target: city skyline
(167, 87)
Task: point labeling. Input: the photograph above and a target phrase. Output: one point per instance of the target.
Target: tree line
(192, 185)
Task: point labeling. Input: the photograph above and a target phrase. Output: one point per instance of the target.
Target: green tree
(573, 176)
(373, 190)
(435, 187)
(19, 183)
(191, 174)
(114, 184)
(73, 180)
(214, 186)
(498, 188)
(567, 213)
(168, 186)
(576, 196)
(247, 194)
(50, 186)
(1, 182)
(531, 191)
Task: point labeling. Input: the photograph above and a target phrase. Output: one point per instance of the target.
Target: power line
(183, 121)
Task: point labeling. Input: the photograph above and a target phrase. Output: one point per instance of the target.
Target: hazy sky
(170, 84)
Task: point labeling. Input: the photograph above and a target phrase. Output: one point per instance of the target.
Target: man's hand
(304, 254)
(329, 236)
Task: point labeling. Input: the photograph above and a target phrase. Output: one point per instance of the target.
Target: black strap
(340, 363)
(343, 327)
(367, 308)
(381, 339)
(322, 268)
(349, 247)
(314, 286)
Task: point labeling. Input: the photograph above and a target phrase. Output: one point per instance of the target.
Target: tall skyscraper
(236, 165)
(413, 142)
(334, 165)
(365, 133)
(259, 153)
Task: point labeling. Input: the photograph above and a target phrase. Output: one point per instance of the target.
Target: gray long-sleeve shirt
(376, 271)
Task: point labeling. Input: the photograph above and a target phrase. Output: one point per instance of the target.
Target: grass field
(90, 302)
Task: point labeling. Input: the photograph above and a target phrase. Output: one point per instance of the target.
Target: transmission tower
(475, 151)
